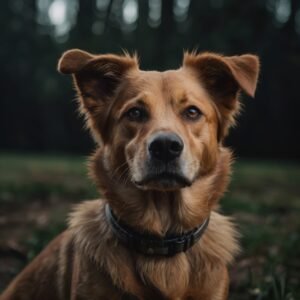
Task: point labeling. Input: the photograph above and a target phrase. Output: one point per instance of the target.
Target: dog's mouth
(163, 181)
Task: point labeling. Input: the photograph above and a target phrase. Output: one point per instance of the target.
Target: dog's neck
(152, 245)
(159, 212)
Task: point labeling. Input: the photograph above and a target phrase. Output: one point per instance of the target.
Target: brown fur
(87, 261)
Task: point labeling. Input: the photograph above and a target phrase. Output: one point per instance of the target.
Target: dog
(161, 167)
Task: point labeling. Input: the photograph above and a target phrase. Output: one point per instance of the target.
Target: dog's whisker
(117, 169)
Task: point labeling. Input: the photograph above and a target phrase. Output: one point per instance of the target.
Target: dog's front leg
(221, 292)
(91, 283)
(212, 285)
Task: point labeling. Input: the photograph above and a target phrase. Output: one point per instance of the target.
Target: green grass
(28, 176)
(264, 198)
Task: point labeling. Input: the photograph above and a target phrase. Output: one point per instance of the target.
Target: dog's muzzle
(163, 170)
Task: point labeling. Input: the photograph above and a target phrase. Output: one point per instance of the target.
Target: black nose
(165, 146)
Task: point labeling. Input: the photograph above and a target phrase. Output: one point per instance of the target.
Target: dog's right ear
(96, 78)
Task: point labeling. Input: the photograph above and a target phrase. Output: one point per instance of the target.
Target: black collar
(152, 245)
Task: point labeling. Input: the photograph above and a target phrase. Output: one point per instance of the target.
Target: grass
(36, 192)
(29, 176)
(264, 198)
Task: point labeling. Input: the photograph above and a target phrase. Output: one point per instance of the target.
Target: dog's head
(160, 130)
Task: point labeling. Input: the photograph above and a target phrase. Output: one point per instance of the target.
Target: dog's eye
(192, 113)
(137, 114)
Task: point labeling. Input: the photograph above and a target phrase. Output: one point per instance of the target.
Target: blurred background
(43, 145)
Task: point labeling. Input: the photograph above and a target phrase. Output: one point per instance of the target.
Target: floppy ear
(96, 78)
(224, 77)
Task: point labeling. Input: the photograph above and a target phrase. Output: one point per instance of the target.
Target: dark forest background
(37, 111)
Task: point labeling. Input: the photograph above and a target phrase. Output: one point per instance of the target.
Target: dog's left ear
(97, 79)
(224, 77)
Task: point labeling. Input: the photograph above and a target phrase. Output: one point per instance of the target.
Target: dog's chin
(163, 182)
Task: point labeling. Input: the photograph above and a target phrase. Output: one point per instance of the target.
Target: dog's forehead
(163, 78)
(174, 83)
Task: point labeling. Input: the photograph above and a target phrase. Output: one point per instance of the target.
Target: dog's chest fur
(177, 277)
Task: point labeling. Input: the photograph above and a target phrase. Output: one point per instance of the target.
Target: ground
(36, 193)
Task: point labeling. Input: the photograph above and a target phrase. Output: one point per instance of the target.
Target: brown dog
(161, 168)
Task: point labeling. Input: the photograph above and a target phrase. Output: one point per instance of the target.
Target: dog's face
(160, 130)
